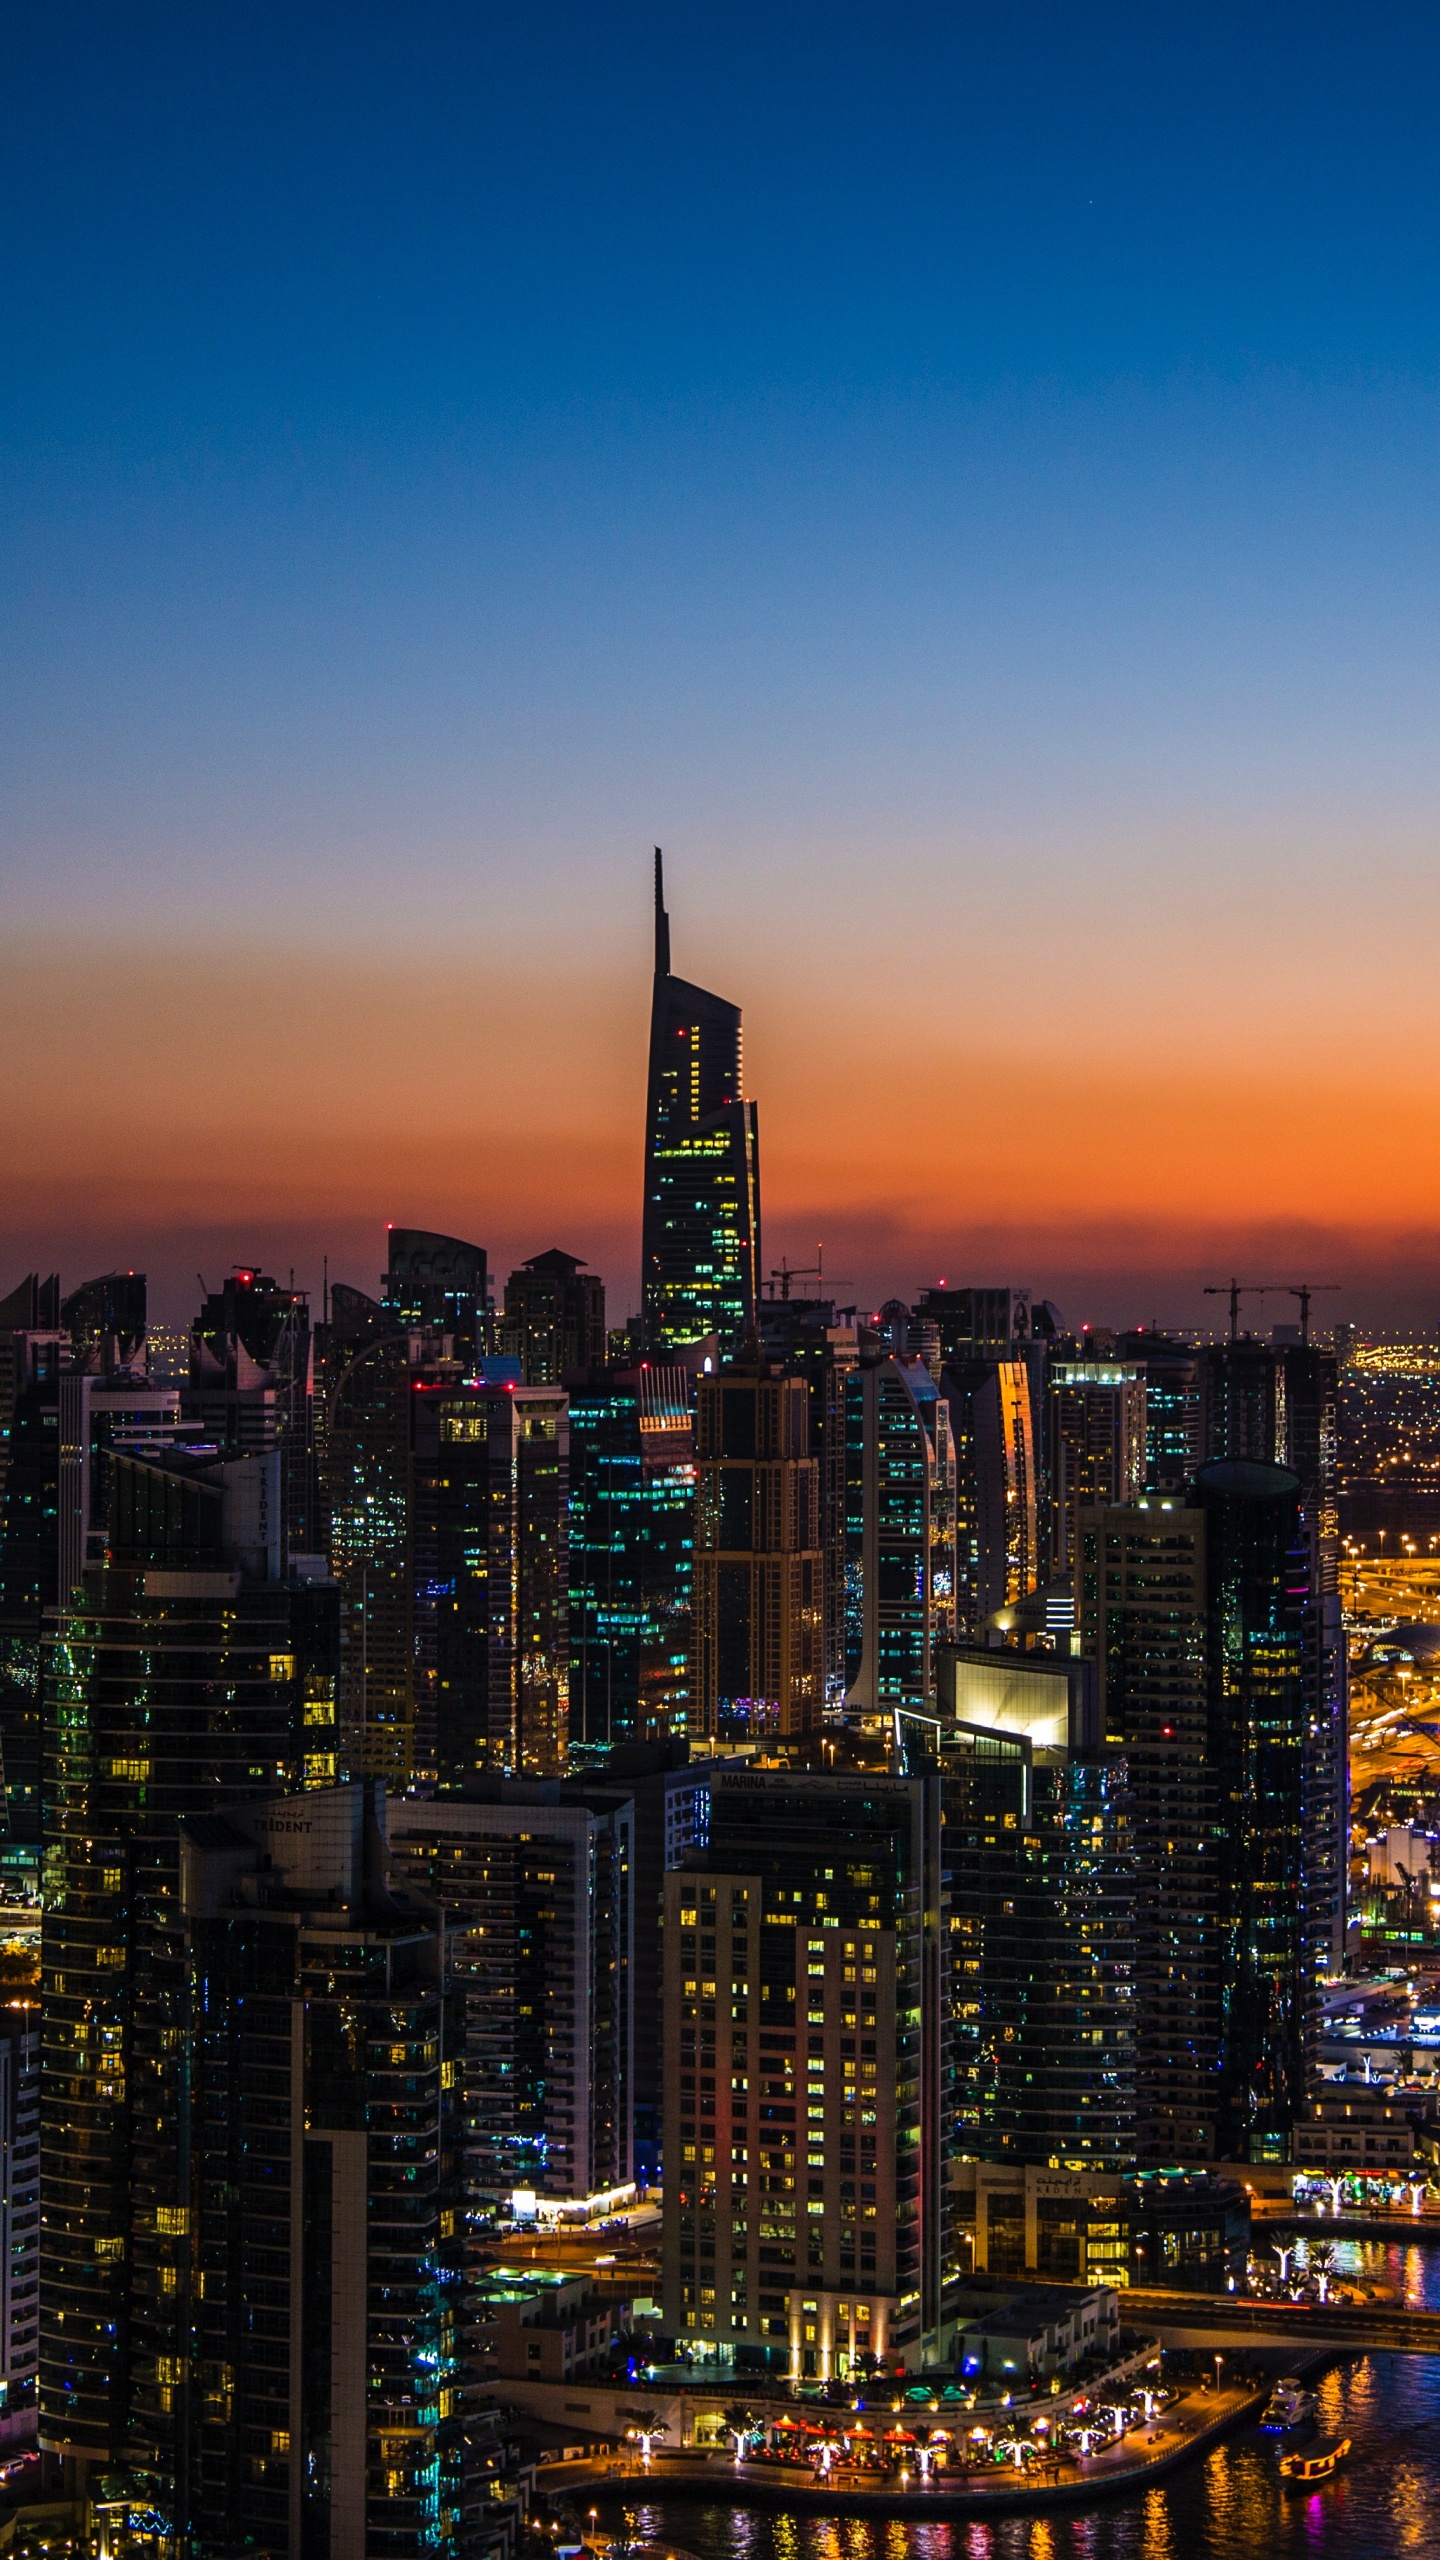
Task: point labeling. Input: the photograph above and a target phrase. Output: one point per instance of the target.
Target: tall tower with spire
(701, 1236)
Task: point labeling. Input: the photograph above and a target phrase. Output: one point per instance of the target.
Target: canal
(1229, 2505)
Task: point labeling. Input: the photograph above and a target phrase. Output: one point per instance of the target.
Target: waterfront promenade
(1145, 2453)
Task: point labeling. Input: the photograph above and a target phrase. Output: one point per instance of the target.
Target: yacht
(1290, 2405)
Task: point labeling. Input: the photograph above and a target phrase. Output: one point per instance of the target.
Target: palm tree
(1320, 2259)
(646, 2424)
(740, 2423)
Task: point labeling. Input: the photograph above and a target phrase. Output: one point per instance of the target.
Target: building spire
(662, 921)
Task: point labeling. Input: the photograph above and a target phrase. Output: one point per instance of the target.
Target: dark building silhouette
(1174, 1374)
(631, 1554)
(317, 2242)
(669, 1796)
(489, 1573)
(759, 1630)
(1144, 1615)
(1040, 1874)
(105, 1323)
(439, 1285)
(251, 1387)
(447, 1503)
(899, 1533)
(537, 1885)
(701, 1230)
(186, 1676)
(813, 1339)
(1275, 1822)
(554, 1318)
(72, 1383)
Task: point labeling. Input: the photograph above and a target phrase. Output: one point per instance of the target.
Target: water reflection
(1231, 2506)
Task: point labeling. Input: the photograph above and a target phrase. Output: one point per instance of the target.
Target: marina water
(1228, 2505)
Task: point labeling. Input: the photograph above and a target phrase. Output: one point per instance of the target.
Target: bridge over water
(1233, 2320)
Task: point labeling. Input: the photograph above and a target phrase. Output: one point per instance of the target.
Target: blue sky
(962, 477)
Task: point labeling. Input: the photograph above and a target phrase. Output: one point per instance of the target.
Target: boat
(1289, 2406)
(1315, 2461)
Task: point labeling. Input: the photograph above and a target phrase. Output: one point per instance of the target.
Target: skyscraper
(701, 1230)
(996, 1487)
(631, 1550)
(814, 1339)
(538, 1892)
(251, 1386)
(447, 1501)
(1143, 1611)
(900, 1533)
(759, 1643)
(554, 1318)
(311, 2224)
(1096, 1444)
(1264, 1629)
(1206, 1622)
(438, 1285)
(182, 1677)
(805, 2059)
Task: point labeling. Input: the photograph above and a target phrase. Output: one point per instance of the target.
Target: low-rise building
(1038, 2332)
(542, 2324)
(1364, 2129)
(1189, 2229)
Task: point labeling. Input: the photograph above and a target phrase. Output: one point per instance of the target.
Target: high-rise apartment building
(899, 1533)
(631, 1554)
(538, 1892)
(1277, 1403)
(251, 1387)
(303, 2209)
(1275, 1825)
(701, 1233)
(1174, 1374)
(813, 1339)
(490, 1577)
(1206, 1623)
(669, 1795)
(1096, 1445)
(19, 2219)
(997, 1518)
(1143, 1607)
(805, 2060)
(447, 1501)
(1041, 1886)
(759, 1629)
(554, 1318)
(31, 1360)
(71, 1388)
(439, 1286)
(183, 1677)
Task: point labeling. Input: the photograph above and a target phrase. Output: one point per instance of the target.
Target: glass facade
(1040, 1869)
(175, 1683)
(1262, 1637)
(899, 1534)
(701, 1236)
(759, 1569)
(631, 1549)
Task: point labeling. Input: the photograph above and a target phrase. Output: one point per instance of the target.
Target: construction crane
(1235, 1290)
(785, 1272)
(1305, 1290)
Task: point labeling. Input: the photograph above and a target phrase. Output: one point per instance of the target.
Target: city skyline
(965, 489)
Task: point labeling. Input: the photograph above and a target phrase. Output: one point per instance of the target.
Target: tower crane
(1235, 1290)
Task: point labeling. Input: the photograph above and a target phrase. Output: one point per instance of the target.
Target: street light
(1219, 2360)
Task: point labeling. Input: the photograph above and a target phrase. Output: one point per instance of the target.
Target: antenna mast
(662, 921)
